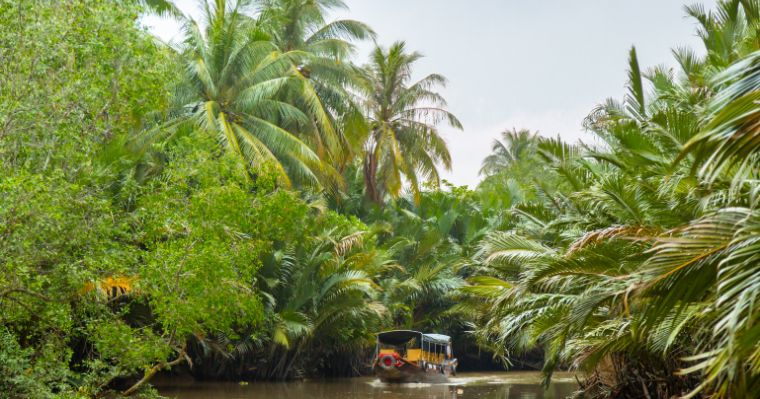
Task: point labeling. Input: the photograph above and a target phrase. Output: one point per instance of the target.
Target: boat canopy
(399, 337)
(437, 338)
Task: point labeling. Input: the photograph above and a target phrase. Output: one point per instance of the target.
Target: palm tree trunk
(370, 178)
(292, 361)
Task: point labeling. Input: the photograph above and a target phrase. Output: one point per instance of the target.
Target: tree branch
(7, 292)
(155, 369)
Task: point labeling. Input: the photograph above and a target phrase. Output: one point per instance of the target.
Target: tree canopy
(254, 202)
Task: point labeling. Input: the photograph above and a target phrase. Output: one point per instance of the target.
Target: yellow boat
(413, 356)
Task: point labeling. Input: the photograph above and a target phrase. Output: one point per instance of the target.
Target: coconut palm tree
(513, 147)
(301, 26)
(403, 141)
(164, 8)
(237, 86)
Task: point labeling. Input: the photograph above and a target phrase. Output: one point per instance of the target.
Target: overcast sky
(535, 64)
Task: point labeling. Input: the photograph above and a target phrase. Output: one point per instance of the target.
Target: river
(506, 385)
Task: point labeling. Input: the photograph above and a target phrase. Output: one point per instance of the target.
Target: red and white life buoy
(387, 361)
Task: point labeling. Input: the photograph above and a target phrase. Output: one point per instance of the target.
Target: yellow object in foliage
(111, 287)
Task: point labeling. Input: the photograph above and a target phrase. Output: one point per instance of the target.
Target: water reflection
(486, 386)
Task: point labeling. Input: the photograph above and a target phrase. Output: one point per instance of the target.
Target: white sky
(536, 64)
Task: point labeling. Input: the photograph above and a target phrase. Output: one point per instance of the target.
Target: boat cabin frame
(415, 346)
(413, 356)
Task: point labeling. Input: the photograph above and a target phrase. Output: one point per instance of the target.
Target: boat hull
(410, 372)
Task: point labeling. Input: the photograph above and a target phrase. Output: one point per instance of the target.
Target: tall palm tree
(324, 48)
(302, 25)
(514, 146)
(238, 85)
(164, 8)
(403, 140)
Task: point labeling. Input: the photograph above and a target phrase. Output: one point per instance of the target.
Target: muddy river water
(506, 385)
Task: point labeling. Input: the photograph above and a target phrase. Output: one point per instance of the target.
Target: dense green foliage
(249, 204)
(639, 264)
